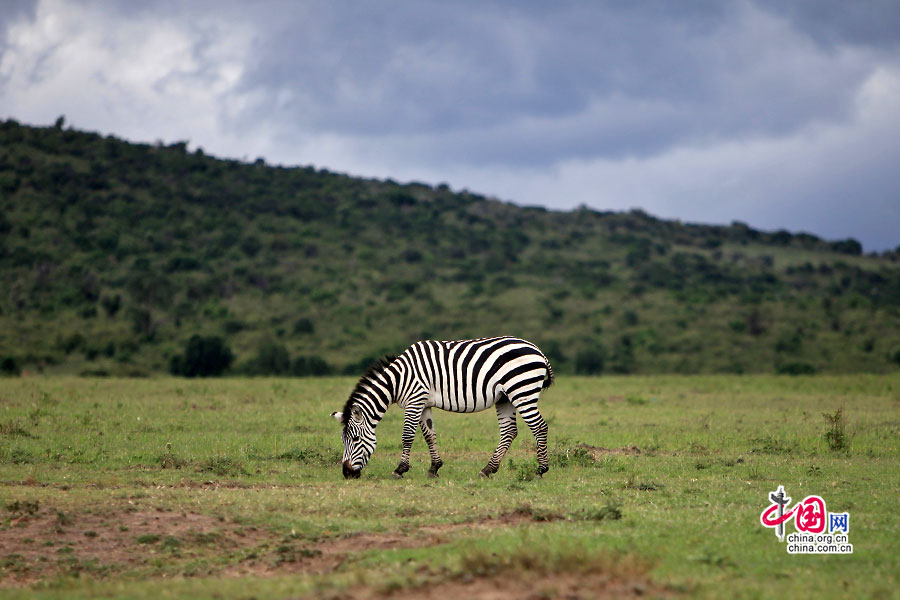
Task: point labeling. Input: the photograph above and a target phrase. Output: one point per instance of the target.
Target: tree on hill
(203, 357)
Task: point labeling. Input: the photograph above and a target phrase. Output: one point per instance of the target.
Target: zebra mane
(374, 369)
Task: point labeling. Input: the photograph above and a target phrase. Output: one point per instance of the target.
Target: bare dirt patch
(527, 573)
(599, 451)
(319, 558)
(328, 555)
(50, 543)
(571, 586)
(43, 543)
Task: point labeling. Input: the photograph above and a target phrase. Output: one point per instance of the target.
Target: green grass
(666, 472)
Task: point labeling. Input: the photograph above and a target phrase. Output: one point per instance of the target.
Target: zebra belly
(451, 403)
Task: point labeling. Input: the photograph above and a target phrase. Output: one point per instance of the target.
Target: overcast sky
(779, 114)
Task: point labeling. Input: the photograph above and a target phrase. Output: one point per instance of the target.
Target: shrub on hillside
(10, 366)
(182, 262)
(848, 246)
(360, 366)
(306, 366)
(272, 358)
(553, 350)
(203, 357)
(111, 304)
(304, 325)
(789, 341)
(590, 361)
(796, 368)
(622, 360)
(142, 322)
(71, 342)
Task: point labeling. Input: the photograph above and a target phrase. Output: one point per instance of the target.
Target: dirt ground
(47, 544)
(565, 586)
(597, 452)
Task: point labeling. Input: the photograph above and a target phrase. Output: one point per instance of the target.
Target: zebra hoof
(397, 475)
(432, 474)
(484, 475)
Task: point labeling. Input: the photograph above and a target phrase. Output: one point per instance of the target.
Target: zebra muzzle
(350, 472)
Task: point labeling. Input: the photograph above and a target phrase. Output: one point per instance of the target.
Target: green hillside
(115, 254)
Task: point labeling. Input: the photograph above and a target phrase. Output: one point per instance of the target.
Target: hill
(114, 255)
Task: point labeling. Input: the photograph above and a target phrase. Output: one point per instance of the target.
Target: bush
(233, 326)
(303, 325)
(738, 326)
(272, 358)
(305, 366)
(111, 304)
(848, 246)
(835, 436)
(142, 322)
(590, 361)
(553, 351)
(181, 262)
(361, 366)
(412, 256)
(71, 343)
(251, 245)
(789, 342)
(622, 360)
(10, 366)
(796, 368)
(203, 357)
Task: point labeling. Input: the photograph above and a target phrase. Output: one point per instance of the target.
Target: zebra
(464, 376)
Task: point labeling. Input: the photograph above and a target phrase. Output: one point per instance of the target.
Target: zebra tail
(548, 381)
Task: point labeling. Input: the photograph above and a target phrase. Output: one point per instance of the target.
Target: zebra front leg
(506, 418)
(427, 426)
(410, 424)
(531, 416)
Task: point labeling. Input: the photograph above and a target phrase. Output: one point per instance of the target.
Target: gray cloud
(514, 87)
(832, 23)
(776, 113)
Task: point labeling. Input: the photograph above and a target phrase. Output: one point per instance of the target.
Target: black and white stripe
(460, 376)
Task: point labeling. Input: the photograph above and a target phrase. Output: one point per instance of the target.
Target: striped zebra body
(459, 376)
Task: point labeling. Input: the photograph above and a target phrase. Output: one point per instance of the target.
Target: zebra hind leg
(538, 427)
(427, 425)
(506, 419)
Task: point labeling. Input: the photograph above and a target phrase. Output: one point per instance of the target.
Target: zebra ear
(339, 416)
(356, 413)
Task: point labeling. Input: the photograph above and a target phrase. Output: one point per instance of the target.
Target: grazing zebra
(459, 376)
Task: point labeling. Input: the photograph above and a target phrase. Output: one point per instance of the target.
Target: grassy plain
(231, 488)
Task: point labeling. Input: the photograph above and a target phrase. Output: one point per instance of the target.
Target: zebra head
(359, 439)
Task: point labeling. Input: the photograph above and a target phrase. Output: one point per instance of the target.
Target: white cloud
(147, 79)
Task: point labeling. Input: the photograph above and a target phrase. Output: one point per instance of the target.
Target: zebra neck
(380, 389)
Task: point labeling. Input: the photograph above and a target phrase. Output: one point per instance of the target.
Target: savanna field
(232, 488)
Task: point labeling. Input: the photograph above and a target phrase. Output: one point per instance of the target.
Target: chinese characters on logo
(818, 531)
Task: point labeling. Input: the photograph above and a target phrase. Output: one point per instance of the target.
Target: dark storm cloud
(873, 23)
(13, 10)
(528, 85)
